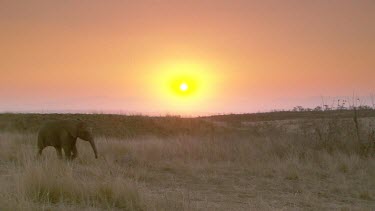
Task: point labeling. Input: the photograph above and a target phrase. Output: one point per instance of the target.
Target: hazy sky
(244, 56)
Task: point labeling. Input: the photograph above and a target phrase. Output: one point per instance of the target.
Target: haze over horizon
(184, 57)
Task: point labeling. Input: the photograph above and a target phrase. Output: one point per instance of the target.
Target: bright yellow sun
(184, 87)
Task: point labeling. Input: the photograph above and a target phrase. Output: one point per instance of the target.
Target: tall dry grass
(293, 165)
(29, 182)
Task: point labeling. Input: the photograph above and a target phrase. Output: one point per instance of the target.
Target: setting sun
(184, 87)
(181, 85)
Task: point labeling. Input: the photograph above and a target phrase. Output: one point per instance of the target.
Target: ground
(193, 164)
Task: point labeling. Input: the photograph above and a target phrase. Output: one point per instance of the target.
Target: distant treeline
(293, 114)
(130, 126)
(123, 126)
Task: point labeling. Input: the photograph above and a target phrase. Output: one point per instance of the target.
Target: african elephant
(63, 134)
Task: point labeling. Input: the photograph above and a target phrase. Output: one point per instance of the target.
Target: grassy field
(235, 162)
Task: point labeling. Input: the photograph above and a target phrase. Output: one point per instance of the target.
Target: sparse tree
(318, 108)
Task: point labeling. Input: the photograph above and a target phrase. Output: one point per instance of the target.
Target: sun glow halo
(181, 86)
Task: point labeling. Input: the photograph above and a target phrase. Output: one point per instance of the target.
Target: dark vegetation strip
(131, 126)
(286, 115)
(121, 126)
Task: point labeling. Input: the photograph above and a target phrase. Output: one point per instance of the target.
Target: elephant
(63, 134)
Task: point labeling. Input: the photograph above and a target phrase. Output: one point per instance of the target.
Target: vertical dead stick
(356, 125)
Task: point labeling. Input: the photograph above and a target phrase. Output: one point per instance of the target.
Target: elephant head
(81, 130)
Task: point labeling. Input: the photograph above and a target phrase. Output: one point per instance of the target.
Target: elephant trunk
(94, 147)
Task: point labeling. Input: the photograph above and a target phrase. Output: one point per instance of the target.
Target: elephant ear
(73, 127)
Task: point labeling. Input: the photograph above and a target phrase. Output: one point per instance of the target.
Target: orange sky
(249, 56)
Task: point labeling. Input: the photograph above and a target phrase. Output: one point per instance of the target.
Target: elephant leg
(40, 150)
(59, 152)
(74, 151)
